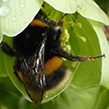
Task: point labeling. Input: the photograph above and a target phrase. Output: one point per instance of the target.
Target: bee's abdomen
(54, 72)
(55, 78)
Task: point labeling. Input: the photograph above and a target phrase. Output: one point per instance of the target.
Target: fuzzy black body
(27, 47)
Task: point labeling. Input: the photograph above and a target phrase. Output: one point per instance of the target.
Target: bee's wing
(34, 74)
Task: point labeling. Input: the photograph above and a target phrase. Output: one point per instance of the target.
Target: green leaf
(85, 73)
(73, 98)
(90, 10)
(3, 71)
(104, 49)
(24, 104)
(9, 95)
(102, 101)
(87, 8)
(106, 85)
(8, 100)
(16, 15)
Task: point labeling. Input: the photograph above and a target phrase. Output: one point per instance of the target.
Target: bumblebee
(38, 55)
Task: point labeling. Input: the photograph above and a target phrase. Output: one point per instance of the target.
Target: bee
(38, 53)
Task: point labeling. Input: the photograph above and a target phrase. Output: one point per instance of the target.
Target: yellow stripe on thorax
(37, 22)
(52, 65)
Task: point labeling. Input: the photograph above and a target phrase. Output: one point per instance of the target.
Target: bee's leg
(7, 49)
(60, 52)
